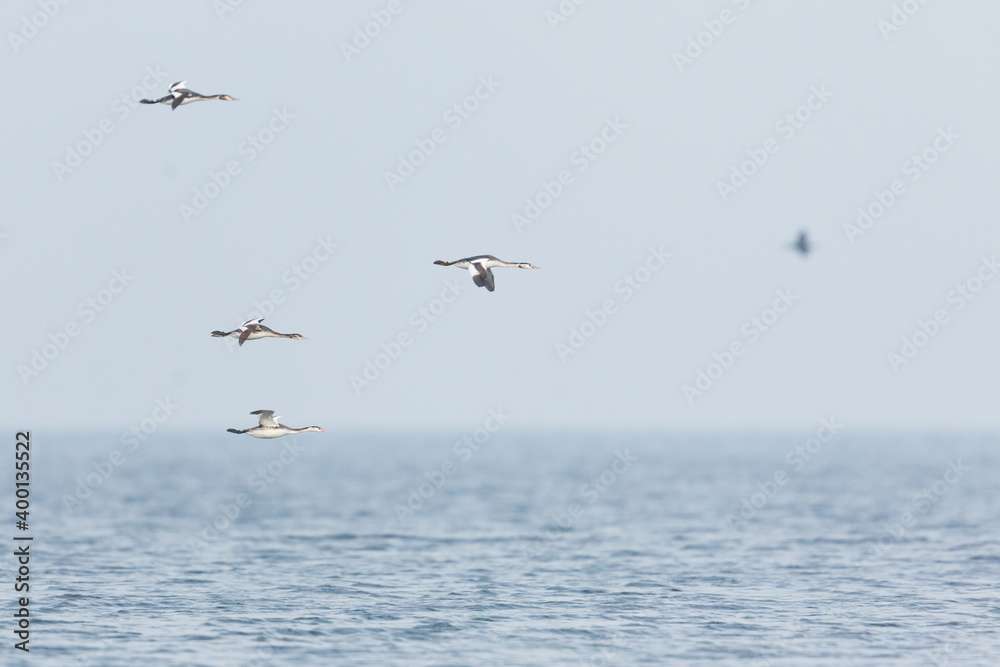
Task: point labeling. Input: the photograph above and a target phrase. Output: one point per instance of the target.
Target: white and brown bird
(252, 330)
(480, 268)
(179, 94)
(270, 428)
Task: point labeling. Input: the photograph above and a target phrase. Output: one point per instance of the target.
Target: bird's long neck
(264, 332)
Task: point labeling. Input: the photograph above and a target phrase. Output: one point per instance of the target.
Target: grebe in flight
(802, 244)
(179, 95)
(270, 428)
(252, 330)
(480, 265)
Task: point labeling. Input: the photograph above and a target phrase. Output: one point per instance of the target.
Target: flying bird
(270, 428)
(178, 94)
(802, 244)
(252, 330)
(480, 267)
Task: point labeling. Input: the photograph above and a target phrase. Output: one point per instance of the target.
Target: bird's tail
(233, 430)
(219, 334)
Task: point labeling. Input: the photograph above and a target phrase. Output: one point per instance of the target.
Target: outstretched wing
(180, 85)
(266, 418)
(177, 101)
(481, 276)
(248, 328)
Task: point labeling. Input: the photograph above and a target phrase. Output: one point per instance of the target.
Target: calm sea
(817, 548)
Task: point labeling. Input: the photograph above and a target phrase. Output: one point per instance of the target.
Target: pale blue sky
(328, 129)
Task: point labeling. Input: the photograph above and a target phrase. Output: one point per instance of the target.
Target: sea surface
(812, 548)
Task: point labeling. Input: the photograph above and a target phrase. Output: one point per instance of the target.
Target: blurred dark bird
(802, 244)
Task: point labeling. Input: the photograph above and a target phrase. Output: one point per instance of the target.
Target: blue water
(843, 562)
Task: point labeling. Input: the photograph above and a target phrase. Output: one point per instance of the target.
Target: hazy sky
(674, 151)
